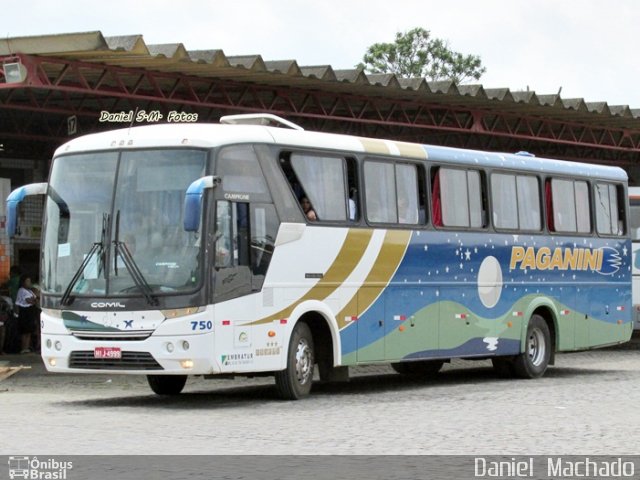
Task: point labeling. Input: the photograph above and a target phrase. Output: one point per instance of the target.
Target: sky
(582, 48)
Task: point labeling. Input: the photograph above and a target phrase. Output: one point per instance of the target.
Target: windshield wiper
(121, 250)
(96, 248)
(66, 296)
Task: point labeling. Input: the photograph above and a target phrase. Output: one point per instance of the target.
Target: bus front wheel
(167, 384)
(295, 381)
(533, 362)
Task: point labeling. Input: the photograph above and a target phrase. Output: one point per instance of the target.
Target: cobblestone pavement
(588, 403)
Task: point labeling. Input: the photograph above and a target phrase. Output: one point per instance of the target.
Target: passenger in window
(308, 209)
(353, 208)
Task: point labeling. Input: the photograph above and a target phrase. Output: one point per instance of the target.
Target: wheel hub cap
(536, 347)
(304, 362)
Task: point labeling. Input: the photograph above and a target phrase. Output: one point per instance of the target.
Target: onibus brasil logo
(34, 469)
(604, 260)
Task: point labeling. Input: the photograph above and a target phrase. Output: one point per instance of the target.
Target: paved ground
(589, 403)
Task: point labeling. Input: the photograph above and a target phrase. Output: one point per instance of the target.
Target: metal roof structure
(81, 74)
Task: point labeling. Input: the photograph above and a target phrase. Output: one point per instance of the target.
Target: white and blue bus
(176, 250)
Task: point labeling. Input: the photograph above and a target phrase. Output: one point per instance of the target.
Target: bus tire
(421, 368)
(167, 384)
(294, 382)
(533, 362)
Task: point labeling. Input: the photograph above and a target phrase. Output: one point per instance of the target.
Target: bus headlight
(58, 345)
(49, 343)
(185, 345)
(181, 312)
(169, 347)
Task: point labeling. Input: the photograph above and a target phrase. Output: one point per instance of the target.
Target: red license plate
(107, 352)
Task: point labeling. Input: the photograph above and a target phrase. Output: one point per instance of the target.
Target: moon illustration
(489, 282)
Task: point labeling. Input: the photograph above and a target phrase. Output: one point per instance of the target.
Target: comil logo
(35, 469)
(107, 305)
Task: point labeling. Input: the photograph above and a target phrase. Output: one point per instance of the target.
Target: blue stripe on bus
(444, 266)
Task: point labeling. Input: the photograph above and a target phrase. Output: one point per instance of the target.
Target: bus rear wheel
(167, 384)
(420, 368)
(295, 381)
(533, 362)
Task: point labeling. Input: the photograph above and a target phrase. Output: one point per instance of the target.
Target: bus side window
(380, 191)
(516, 201)
(232, 274)
(352, 189)
(458, 198)
(232, 234)
(436, 205)
(321, 179)
(548, 200)
(223, 238)
(264, 227)
(568, 209)
(422, 196)
(407, 193)
(610, 214)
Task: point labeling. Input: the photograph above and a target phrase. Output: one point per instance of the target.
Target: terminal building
(56, 87)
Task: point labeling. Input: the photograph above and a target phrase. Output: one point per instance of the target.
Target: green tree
(417, 54)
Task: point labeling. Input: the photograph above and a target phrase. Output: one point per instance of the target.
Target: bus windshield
(134, 199)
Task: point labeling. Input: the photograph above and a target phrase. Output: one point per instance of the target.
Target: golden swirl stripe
(391, 254)
(348, 257)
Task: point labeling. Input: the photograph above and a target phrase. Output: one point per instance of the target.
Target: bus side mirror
(193, 202)
(15, 198)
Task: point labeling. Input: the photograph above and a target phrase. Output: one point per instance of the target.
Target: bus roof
(201, 135)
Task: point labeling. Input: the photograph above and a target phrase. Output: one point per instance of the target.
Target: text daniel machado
(554, 467)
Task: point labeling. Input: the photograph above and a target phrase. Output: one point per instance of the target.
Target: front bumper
(158, 355)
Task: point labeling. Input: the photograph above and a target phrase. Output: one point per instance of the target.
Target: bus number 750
(202, 325)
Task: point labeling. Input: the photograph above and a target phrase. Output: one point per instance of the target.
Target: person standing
(28, 311)
(13, 285)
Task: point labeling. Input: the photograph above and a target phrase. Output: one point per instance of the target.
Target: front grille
(129, 361)
(120, 336)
